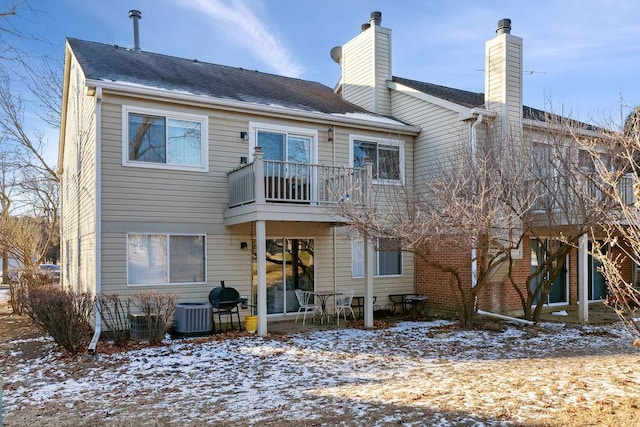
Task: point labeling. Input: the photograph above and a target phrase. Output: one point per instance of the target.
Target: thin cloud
(247, 29)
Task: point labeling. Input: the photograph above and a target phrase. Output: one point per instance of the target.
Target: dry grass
(443, 377)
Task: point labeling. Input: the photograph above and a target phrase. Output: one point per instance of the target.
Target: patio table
(417, 304)
(358, 304)
(323, 296)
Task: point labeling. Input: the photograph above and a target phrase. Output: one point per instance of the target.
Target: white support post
(261, 254)
(583, 277)
(368, 251)
(368, 283)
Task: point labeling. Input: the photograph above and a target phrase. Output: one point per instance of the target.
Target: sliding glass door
(290, 266)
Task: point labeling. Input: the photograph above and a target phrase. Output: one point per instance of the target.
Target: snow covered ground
(414, 373)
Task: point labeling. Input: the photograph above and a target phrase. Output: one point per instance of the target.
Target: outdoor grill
(225, 301)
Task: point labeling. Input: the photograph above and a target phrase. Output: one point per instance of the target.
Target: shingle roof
(104, 62)
(473, 99)
(457, 96)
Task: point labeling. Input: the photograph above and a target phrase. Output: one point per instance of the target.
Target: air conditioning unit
(192, 318)
(139, 325)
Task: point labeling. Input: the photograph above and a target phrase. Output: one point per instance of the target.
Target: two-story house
(178, 174)
(164, 187)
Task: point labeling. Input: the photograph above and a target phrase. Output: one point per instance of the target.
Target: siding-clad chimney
(503, 80)
(136, 16)
(366, 67)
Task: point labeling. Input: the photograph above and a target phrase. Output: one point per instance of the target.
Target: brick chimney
(366, 67)
(503, 80)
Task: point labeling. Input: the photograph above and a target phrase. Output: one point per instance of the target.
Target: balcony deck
(288, 191)
(562, 198)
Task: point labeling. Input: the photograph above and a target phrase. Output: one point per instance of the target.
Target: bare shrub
(62, 314)
(114, 312)
(158, 310)
(27, 279)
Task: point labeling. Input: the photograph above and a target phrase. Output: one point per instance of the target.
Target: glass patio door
(290, 180)
(290, 266)
(597, 285)
(558, 291)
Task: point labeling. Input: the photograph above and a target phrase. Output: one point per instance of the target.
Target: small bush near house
(29, 278)
(62, 314)
(157, 312)
(114, 312)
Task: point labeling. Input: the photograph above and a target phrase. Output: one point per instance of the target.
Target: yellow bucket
(251, 324)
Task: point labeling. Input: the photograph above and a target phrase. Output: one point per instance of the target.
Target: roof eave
(129, 88)
(63, 113)
(537, 124)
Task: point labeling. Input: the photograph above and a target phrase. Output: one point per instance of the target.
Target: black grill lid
(224, 297)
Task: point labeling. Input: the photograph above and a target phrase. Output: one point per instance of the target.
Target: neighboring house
(446, 116)
(163, 188)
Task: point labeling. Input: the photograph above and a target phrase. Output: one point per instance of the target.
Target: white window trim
(312, 133)
(204, 126)
(383, 141)
(376, 260)
(168, 283)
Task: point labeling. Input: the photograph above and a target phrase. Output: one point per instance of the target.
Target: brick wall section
(626, 266)
(436, 284)
(573, 276)
(499, 297)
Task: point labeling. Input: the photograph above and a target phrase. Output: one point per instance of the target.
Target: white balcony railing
(291, 182)
(552, 193)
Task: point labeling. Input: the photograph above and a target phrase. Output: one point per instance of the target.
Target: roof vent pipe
(504, 26)
(376, 18)
(136, 16)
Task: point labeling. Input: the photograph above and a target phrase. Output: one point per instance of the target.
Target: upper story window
(155, 138)
(386, 155)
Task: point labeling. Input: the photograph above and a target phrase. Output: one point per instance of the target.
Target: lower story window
(387, 258)
(154, 259)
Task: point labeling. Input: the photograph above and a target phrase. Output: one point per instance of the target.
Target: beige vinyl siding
(78, 193)
(503, 83)
(358, 71)
(148, 201)
(382, 286)
(514, 83)
(383, 71)
(495, 76)
(442, 132)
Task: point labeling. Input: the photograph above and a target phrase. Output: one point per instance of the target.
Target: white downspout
(474, 133)
(335, 255)
(98, 218)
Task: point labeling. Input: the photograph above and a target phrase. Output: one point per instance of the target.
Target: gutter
(384, 123)
(98, 219)
(563, 128)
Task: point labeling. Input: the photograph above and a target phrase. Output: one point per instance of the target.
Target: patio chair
(343, 304)
(305, 300)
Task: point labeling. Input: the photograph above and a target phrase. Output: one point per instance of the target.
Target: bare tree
(619, 249)
(29, 185)
(567, 204)
(461, 203)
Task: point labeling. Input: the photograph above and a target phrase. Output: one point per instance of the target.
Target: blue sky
(582, 58)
